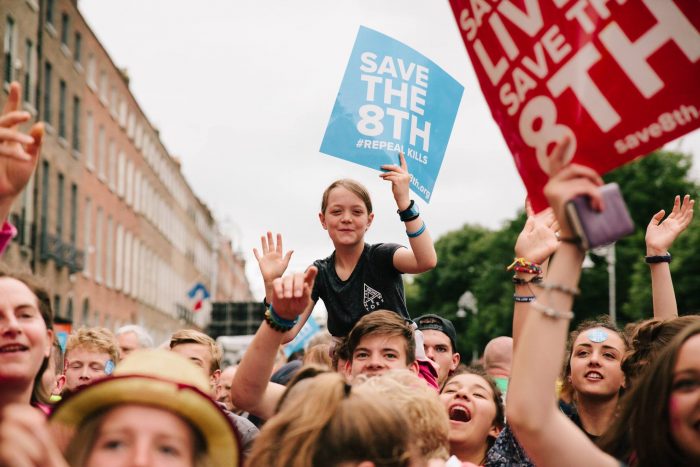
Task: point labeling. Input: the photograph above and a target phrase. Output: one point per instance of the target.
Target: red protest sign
(619, 77)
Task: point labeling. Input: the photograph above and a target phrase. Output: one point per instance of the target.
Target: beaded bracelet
(550, 312)
(523, 298)
(559, 287)
(417, 232)
(524, 266)
(278, 323)
(520, 281)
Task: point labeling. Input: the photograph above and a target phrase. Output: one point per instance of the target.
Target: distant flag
(200, 293)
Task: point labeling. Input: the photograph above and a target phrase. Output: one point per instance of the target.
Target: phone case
(600, 228)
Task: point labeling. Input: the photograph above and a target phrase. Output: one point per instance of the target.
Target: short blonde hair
(94, 339)
(192, 336)
(430, 424)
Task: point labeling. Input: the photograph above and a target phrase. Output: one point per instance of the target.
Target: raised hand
(18, 151)
(273, 261)
(538, 239)
(400, 179)
(661, 233)
(567, 181)
(292, 293)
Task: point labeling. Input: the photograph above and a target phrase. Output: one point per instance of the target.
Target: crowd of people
(380, 388)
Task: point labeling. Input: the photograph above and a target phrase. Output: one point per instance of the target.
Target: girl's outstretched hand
(400, 179)
(273, 261)
(661, 233)
(538, 239)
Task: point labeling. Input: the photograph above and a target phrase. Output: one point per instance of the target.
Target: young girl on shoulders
(358, 278)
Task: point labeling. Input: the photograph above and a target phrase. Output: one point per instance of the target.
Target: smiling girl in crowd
(358, 278)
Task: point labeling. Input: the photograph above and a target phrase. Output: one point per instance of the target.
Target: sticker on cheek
(109, 367)
(597, 336)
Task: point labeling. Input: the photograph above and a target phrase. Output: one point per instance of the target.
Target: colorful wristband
(417, 232)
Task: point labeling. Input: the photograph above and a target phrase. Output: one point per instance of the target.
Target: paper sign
(618, 77)
(393, 99)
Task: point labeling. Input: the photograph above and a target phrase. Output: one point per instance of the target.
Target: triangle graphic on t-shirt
(372, 299)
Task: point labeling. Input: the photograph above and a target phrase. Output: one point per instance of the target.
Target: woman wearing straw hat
(154, 410)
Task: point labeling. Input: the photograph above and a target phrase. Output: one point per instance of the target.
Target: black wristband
(658, 259)
(410, 213)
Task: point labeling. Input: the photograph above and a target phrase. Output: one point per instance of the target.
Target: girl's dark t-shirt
(375, 284)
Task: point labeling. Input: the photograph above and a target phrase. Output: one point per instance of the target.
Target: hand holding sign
(399, 178)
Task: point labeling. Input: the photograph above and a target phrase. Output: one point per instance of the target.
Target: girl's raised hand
(538, 239)
(273, 261)
(400, 179)
(661, 233)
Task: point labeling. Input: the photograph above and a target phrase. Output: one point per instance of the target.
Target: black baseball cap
(438, 323)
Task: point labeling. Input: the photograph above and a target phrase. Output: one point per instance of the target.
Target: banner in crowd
(619, 78)
(307, 331)
(393, 99)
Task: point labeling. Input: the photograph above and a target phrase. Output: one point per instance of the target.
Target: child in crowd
(358, 278)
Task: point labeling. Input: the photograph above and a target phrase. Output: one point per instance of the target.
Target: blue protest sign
(393, 99)
(310, 328)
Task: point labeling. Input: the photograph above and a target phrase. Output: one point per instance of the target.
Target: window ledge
(49, 128)
(63, 142)
(32, 4)
(50, 29)
(29, 108)
(66, 51)
(78, 67)
(76, 154)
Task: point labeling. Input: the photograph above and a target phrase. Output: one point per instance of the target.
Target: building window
(121, 185)
(103, 87)
(65, 25)
(129, 195)
(57, 304)
(101, 152)
(49, 11)
(69, 310)
(59, 209)
(98, 246)
(48, 69)
(73, 213)
(119, 256)
(112, 165)
(86, 312)
(9, 49)
(76, 123)
(29, 71)
(114, 103)
(91, 70)
(90, 141)
(45, 182)
(127, 262)
(77, 47)
(109, 274)
(87, 226)
(62, 109)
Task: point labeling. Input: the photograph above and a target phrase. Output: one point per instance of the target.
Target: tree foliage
(474, 259)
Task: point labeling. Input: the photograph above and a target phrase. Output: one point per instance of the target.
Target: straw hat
(162, 379)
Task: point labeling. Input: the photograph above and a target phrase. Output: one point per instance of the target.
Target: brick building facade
(108, 219)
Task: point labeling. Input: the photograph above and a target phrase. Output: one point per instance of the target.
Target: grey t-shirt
(375, 284)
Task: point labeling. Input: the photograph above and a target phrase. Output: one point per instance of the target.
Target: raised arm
(535, 244)
(19, 152)
(661, 233)
(421, 256)
(547, 435)
(251, 389)
(272, 260)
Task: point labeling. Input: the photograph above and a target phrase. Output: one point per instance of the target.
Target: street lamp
(467, 301)
(607, 252)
